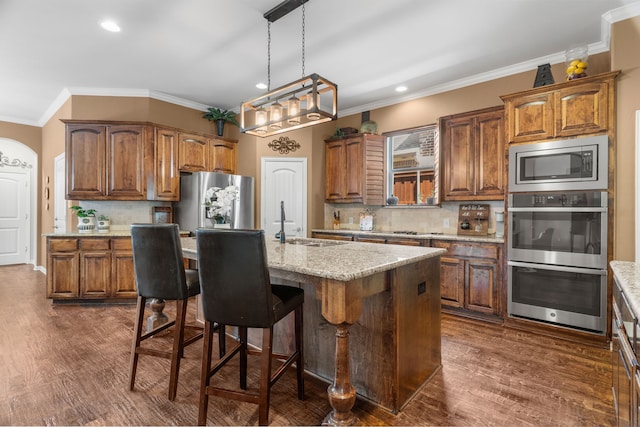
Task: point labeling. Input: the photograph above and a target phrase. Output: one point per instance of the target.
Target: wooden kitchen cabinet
(166, 177)
(354, 169)
(470, 277)
(223, 156)
(194, 153)
(95, 267)
(201, 153)
(574, 108)
(107, 161)
(123, 279)
(473, 155)
(63, 265)
(90, 268)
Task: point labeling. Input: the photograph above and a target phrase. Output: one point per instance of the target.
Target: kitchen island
(386, 297)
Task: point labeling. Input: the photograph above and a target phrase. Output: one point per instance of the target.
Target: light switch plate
(446, 223)
(350, 220)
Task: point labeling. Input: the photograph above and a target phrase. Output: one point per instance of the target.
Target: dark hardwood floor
(68, 365)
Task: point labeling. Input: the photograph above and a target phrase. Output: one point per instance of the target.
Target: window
(412, 165)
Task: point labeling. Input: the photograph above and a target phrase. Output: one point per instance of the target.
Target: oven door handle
(555, 209)
(557, 268)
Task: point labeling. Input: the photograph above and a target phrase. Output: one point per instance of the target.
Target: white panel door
(14, 217)
(59, 201)
(284, 180)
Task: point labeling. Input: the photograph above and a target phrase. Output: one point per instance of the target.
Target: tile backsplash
(436, 219)
(123, 214)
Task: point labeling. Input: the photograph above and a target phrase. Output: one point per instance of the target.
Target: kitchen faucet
(280, 235)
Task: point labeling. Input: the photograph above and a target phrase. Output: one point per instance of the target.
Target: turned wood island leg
(342, 395)
(341, 306)
(157, 318)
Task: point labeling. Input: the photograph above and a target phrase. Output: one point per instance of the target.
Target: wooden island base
(391, 337)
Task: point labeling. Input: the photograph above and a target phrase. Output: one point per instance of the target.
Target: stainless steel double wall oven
(557, 242)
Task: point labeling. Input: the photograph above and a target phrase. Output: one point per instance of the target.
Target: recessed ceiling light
(110, 26)
(261, 86)
(401, 88)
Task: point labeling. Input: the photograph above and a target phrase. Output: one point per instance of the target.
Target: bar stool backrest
(158, 261)
(234, 277)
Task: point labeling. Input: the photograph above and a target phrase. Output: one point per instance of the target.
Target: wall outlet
(350, 220)
(446, 223)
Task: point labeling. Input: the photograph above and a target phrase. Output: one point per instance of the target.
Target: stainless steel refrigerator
(192, 212)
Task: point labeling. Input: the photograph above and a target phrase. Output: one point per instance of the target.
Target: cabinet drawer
(467, 250)
(94, 244)
(121, 244)
(63, 245)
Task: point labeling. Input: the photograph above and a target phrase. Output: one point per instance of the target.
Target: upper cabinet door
(582, 110)
(223, 156)
(490, 155)
(530, 117)
(166, 175)
(335, 165)
(126, 162)
(194, 152)
(86, 160)
(459, 157)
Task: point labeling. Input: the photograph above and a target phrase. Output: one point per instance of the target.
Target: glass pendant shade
(276, 116)
(261, 116)
(294, 110)
(311, 106)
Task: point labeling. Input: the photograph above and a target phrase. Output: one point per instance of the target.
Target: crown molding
(67, 93)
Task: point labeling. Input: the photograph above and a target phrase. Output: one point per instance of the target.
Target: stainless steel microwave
(563, 165)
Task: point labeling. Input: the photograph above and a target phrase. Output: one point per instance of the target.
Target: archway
(18, 164)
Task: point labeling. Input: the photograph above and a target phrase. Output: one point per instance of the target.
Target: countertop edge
(627, 274)
(419, 236)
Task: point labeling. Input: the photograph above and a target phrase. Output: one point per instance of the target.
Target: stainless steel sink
(314, 243)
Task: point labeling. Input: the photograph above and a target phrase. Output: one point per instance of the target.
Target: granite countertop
(440, 236)
(628, 275)
(336, 260)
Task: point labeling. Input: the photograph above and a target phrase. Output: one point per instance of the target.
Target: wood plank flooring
(68, 365)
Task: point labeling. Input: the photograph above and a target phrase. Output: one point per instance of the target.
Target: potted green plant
(86, 219)
(220, 116)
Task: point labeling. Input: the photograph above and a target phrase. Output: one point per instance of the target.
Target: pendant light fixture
(305, 102)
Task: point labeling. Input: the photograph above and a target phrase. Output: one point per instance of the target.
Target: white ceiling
(203, 53)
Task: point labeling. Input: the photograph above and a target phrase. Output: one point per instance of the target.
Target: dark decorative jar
(392, 200)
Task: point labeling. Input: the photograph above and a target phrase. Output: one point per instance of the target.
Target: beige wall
(625, 38)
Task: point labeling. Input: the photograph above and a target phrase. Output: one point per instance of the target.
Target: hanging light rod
(283, 9)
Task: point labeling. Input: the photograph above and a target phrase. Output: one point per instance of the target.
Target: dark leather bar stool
(236, 290)
(160, 273)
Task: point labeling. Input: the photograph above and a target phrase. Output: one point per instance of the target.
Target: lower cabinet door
(123, 276)
(95, 274)
(62, 275)
(481, 286)
(452, 282)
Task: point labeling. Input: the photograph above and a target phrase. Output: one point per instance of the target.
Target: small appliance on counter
(473, 220)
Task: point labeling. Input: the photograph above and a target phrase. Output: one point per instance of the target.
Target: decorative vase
(392, 200)
(220, 127)
(86, 224)
(576, 59)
